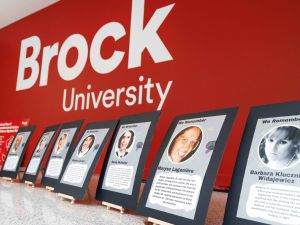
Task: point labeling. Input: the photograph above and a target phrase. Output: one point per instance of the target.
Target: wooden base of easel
(117, 207)
(68, 197)
(49, 188)
(18, 178)
(7, 178)
(29, 183)
(157, 222)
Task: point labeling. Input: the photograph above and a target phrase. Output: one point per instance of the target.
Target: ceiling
(14, 10)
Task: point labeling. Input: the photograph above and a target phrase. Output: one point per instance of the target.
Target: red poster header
(8, 130)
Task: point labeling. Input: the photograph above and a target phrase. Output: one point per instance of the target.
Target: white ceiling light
(13, 10)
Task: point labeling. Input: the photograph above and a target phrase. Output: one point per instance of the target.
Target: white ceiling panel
(13, 10)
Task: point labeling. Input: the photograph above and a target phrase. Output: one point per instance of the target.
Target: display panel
(60, 152)
(37, 157)
(79, 170)
(180, 183)
(8, 130)
(120, 177)
(16, 152)
(266, 182)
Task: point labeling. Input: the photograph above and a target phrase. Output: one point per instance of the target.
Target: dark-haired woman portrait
(86, 145)
(124, 144)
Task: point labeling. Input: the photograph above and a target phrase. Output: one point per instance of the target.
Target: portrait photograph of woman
(17, 143)
(125, 144)
(279, 148)
(42, 144)
(61, 143)
(86, 145)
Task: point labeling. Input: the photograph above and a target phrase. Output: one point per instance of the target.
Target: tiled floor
(24, 205)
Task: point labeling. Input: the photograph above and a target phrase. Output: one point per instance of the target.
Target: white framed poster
(266, 182)
(181, 179)
(121, 175)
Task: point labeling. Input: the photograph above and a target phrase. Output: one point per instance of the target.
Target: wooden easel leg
(49, 188)
(63, 196)
(157, 222)
(122, 210)
(7, 179)
(29, 183)
(117, 207)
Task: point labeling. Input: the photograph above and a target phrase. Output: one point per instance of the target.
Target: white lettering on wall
(141, 38)
(74, 41)
(145, 93)
(147, 38)
(100, 65)
(48, 53)
(23, 83)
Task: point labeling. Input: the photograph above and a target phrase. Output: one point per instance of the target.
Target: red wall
(225, 54)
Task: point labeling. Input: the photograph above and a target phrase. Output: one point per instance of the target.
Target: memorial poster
(39, 152)
(122, 172)
(182, 176)
(16, 151)
(60, 152)
(8, 130)
(83, 156)
(181, 170)
(271, 186)
(37, 157)
(80, 167)
(124, 157)
(265, 186)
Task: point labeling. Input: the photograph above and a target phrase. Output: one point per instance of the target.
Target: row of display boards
(266, 180)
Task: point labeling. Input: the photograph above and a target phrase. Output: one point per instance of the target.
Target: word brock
(141, 38)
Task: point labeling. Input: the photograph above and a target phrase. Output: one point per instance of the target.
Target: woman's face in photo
(61, 141)
(125, 140)
(18, 142)
(278, 147)
(86, 143)
(43, 143)
(184, 144)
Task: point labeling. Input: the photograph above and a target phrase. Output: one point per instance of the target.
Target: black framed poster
(181, 179)
(265, 186)
(85, 156)
(38, 155)
(60, 152)
(16, 152)
(121, 175)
